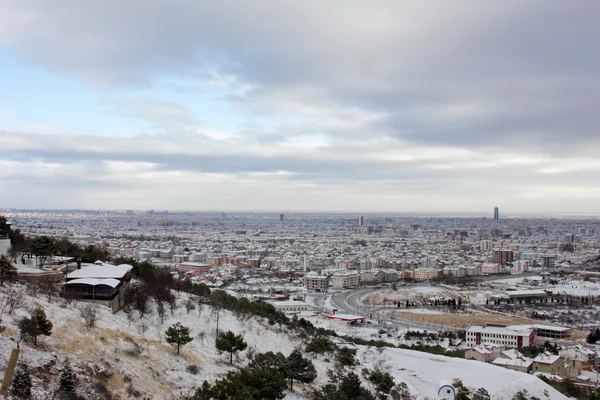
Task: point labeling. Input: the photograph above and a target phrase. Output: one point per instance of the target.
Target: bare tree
(201, 335)
(172, 301)
(160, 309)
(89, 313)
(143, 327)
(189, 305)
(12, 300)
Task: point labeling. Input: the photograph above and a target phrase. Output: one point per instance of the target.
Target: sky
(282, 106)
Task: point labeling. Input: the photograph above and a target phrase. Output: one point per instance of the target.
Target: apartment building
(425, 274)
(316, 283)
(345, 280)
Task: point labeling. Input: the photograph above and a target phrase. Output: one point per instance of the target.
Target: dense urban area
(373, 302)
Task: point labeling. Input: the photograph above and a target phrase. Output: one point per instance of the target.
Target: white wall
(4, 246)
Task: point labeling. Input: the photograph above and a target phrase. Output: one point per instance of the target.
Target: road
(350, 302)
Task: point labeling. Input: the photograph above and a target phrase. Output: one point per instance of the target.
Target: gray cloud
(433, 95)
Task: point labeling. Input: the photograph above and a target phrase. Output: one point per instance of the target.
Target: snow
(93, 282)
(421, 311)
(157, 371)
(101, 271)
(422, 373)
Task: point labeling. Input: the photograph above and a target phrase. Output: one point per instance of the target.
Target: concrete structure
(425, 274)
(4, 246)
(345, 280)
(578, 352)
(492, 269)
(500, 335)
(503, 256)
(193, 267)
(549, 363)
(523, 364)
(316, 283)
(292, 306)
(484, 353)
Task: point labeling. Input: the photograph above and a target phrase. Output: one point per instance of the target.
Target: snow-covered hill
(129, 356)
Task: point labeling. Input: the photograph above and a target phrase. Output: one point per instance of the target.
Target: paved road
(350, 302)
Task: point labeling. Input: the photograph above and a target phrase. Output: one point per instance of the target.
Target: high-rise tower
(496, 214)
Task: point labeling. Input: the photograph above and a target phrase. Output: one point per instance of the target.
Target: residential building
(522, 364)
(425, 274)
(503, 256)
(345, 280)
(549, 363)
(316, 283)
(484, 353)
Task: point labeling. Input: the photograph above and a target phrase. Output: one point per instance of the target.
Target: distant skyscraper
(361, 221)
(281, 217)
(496, 214)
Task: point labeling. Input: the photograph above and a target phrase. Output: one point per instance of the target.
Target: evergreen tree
(231, 343)
(43, 247)
(265, 376)
(346, 357)
(383, 381)
(66, 387)
(481, 394)
(178, 335)
(38, 324)
(7, 271)
(319, 345)
(21, 383)
(400, 392)
(299, 368)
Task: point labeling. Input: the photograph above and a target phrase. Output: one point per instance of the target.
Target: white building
(292, 306)
(502, 336)
(345, 280)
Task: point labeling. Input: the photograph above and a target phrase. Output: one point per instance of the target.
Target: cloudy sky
(300, 105)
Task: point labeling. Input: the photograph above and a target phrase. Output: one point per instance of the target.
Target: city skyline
(391, 107)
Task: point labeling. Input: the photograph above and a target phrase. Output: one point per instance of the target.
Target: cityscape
(521, 294)
(270, 200)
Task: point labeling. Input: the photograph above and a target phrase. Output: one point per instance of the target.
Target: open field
(464, 320)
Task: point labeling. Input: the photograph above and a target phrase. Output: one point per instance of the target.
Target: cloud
(414, 100)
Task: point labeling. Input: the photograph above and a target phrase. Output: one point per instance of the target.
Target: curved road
(350, 302)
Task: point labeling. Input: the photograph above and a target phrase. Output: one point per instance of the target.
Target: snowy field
(422, 373)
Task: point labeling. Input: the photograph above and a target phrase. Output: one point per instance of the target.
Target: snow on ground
(516, 281)
(577, 288)
(157, 371)
(422, 372)
(422, 311)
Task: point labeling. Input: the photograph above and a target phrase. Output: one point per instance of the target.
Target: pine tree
(299, 368)
(481, 394)
(7, 271)
(231, 343)
(178, 335)
(319, 345)
(66, 387)
(43, 326)
(21, 383)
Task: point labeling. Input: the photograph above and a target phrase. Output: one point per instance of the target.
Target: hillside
(125, 356)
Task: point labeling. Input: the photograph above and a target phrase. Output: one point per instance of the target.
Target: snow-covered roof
(513, 330)
(101, 271)
(95, 282)
(514, 362)
(526, 293)
(546, 358)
